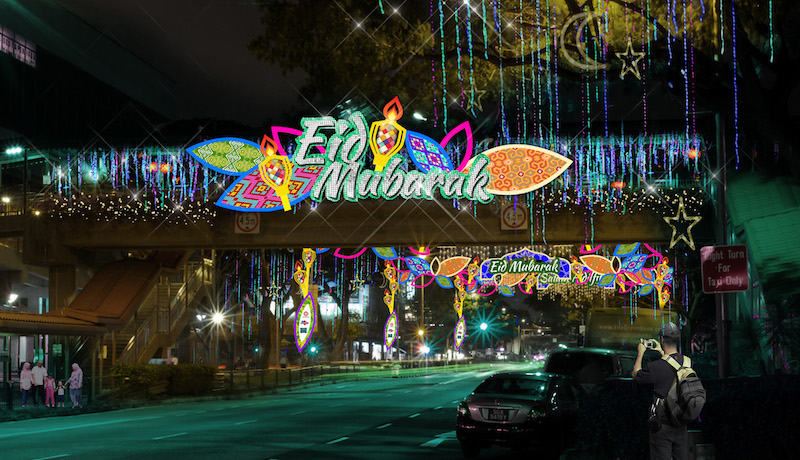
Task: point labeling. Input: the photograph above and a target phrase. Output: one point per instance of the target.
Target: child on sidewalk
(49, 390)
(60, 390)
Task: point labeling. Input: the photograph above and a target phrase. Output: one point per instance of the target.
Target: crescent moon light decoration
(588, 63)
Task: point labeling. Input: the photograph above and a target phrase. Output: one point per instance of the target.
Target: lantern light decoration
(693, 154)
(306, 315)
(386, 137)
(390, 329)
(276, 170)
(618, 184)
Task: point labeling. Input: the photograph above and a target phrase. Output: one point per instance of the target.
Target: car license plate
(500, 415)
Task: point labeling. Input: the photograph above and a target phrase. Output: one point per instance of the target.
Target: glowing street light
(420, 332)
(425, 349)
(484, 326)
(217, 318)
(14, 150)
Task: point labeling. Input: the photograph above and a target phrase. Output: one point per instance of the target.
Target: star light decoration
(630, 61)
(681, 220)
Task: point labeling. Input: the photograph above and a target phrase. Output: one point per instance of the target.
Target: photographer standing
(666, 441)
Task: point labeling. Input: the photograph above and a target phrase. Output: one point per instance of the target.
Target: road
(387, 418)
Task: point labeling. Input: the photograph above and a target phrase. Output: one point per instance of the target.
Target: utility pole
(722, 318)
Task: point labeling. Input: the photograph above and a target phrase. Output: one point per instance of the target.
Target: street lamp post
(217, 320)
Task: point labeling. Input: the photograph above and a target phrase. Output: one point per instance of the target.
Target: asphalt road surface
(387, 418)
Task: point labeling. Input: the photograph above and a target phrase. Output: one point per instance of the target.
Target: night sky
(201, 45)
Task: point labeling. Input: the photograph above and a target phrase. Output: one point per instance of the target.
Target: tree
(489, 60)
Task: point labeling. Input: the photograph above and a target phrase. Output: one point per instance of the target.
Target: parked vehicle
(517, 410)
(590, 366)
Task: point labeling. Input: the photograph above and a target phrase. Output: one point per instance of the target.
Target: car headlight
(463, 409)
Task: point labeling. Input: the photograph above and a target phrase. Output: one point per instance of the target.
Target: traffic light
(256, 349)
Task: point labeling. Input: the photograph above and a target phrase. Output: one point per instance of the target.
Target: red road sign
(724, 268)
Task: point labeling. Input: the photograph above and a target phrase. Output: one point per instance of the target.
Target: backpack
(686, 396)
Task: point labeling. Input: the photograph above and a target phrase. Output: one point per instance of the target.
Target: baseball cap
(670, 330)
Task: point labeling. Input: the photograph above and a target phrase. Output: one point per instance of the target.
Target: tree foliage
(483, 59)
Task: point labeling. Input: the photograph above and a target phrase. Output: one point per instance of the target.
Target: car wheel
(470, 449)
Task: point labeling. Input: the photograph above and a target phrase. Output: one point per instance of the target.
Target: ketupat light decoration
(276, 171)
(681, 220)
(386, 137)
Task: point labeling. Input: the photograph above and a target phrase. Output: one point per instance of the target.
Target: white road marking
(242, 423)
(437, 407)
(414, 415)
(344, 386)
(72, 427)
(440, 438)
(169, 436)
(385, 425)
(299, 412)
(53, 456)
(343, 438)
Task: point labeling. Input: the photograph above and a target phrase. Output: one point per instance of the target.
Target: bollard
(262, 379)
(247, 378)
(290, 378)
(231, 382)
(275, 389)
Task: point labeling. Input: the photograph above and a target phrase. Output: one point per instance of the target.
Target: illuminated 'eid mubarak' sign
(331, 156)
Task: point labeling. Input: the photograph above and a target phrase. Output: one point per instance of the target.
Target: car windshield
(583, 367)
(514, 385)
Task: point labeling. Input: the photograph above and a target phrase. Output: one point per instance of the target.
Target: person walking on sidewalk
(666, 441)
(39, 374)
(75, 383)
(25, 382)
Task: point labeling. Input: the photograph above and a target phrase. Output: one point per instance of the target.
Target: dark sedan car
(518, 410)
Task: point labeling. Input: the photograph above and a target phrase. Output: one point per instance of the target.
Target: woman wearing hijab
(25, 382)
(76, 385)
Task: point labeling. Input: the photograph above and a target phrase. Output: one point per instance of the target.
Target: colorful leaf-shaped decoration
(305, 320)
(338, 253)
(453, 265)
(597, 264)
(426, 153)
(228, 155)
(385, 253)
(444, 282)
(633, 263)
(607, 280)
(623, 250)
(505, 290)
(646, 289)
(404, 276)
(250, 193)
(467, 130)
(512, 279)
(418, 265)
(516, 169)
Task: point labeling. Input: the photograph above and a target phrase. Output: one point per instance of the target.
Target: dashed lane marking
(245, 422)
(169, 436)
(343, 438)
(53, 456)
(414, 415)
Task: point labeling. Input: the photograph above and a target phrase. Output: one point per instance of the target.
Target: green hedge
(181, 379)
